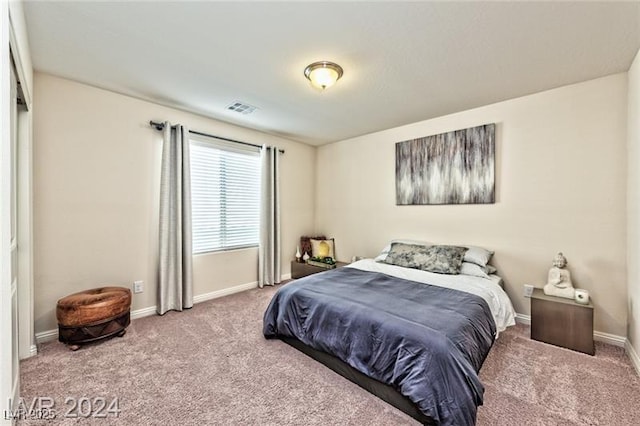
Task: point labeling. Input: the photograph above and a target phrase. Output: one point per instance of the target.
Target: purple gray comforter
(428, 342)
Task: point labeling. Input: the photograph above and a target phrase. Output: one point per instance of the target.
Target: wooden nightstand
(299, 270)
(562, 322)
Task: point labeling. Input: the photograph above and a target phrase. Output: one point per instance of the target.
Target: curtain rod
(160, 126)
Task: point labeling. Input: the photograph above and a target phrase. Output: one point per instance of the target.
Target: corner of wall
(633, 356)
(633, 209)
(316, 179)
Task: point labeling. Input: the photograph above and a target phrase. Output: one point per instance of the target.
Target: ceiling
(403, 61)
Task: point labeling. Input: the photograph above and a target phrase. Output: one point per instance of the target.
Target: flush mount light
(323, 74)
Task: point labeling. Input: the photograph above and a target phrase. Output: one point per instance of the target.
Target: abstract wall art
(450, 168)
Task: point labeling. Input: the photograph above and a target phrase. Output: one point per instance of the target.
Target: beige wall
(560, 185)
(633, 203)
(96, 180)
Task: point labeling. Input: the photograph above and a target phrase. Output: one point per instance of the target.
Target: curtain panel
(175, 290)
(269, 252)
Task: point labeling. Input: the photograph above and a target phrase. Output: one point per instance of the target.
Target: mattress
(490, 289)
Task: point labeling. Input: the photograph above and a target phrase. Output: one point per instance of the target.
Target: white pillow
(472, 269)
(477, 255)
(381, 257)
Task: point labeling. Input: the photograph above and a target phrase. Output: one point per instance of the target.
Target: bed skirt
(383, 391)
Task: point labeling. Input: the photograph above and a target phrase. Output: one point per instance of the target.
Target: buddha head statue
(559, 261)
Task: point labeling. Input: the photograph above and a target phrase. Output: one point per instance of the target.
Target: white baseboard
(48, 335)
(523, 319)
(144, 312)
(224, 292)
(633, 356)
(611, 339)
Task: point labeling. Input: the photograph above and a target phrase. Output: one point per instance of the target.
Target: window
(225, 195)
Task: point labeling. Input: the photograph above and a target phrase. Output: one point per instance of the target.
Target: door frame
(19, 51)
(8, 387)
(14, 47)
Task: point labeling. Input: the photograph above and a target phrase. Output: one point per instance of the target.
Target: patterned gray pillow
(438, 259)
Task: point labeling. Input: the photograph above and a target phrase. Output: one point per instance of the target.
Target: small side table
(562, 322)
(299, 270)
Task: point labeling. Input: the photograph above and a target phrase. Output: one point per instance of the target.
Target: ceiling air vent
(241, 108)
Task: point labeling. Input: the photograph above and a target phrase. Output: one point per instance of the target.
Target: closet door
(13, 235)
(9, 349)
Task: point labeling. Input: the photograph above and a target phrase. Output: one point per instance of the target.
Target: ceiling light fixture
(323, 74)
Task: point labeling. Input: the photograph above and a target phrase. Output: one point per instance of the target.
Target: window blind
(225, 195)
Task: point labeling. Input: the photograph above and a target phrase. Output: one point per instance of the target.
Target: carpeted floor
(211, 366)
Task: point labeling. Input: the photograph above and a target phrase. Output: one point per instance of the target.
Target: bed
(416, 339)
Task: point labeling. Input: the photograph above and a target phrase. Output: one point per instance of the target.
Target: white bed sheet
(489, 289)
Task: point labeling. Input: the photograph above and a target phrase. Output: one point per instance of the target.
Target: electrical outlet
(528, 290)
(138, 286)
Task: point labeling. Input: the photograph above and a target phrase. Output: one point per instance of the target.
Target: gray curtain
(175, 290)
(269, 250)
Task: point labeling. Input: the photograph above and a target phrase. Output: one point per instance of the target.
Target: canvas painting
(450, 168)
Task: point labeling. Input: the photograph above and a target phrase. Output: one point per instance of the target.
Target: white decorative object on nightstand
(582, 296)
(559, 282)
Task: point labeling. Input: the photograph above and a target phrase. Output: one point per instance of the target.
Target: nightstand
(299, 270)
(562, 322)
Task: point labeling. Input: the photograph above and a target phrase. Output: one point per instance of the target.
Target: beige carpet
(211, 366)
